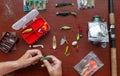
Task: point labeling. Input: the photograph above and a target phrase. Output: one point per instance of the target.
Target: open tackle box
(35, 30)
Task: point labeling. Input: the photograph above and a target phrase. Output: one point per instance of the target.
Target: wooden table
(14, 11)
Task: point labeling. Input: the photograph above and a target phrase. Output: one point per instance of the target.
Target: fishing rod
(112, 39)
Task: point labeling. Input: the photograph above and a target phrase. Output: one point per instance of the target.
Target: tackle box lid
(25, 19)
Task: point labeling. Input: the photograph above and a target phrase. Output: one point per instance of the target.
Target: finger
(38, 52)
(47, 64)
(34, 63)
(36, 58)
(54, 58)
(34, 52)
(43, 65)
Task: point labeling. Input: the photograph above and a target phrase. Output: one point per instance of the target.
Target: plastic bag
(88, 65)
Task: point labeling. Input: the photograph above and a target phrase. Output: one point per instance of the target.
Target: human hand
(55, 68)
(29, 58)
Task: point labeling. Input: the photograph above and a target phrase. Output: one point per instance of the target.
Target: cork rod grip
(113, 62)
(112, 18)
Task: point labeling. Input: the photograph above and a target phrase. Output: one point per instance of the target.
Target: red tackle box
(35, 30)
(39, 28)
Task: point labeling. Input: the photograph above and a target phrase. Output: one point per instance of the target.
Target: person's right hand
(55, 68)
(29, 58)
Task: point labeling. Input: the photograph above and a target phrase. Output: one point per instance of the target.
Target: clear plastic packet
(28, 5)
(88, 65)
(98, 31)
(85, 4)
(99, 35)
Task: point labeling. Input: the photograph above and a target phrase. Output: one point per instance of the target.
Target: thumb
(47, 64)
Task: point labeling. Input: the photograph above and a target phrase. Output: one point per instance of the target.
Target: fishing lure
(80, 31)
(54, 43)
(27, 30)
(66, 13)
(77, 48)
(44, 27)
(45, 58)
(89, 68)
(78, 37)
(63, 40)
(74, 43)
(66, 28)
(61, 4)
(85, 4)
(67, 52)
(73, 13)
(35, 46)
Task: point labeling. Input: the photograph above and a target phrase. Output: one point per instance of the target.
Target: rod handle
(113, 62)
(112, 18)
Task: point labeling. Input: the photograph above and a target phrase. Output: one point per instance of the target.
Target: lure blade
(78, 37)
(54, 42)
(74, 43)
(63, 40)
(27, 30)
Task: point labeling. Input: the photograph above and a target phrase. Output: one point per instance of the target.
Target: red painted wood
(7, 18)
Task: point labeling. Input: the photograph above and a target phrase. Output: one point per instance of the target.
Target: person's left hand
(29, 58)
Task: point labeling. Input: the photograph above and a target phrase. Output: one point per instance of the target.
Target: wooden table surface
(14, 11)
